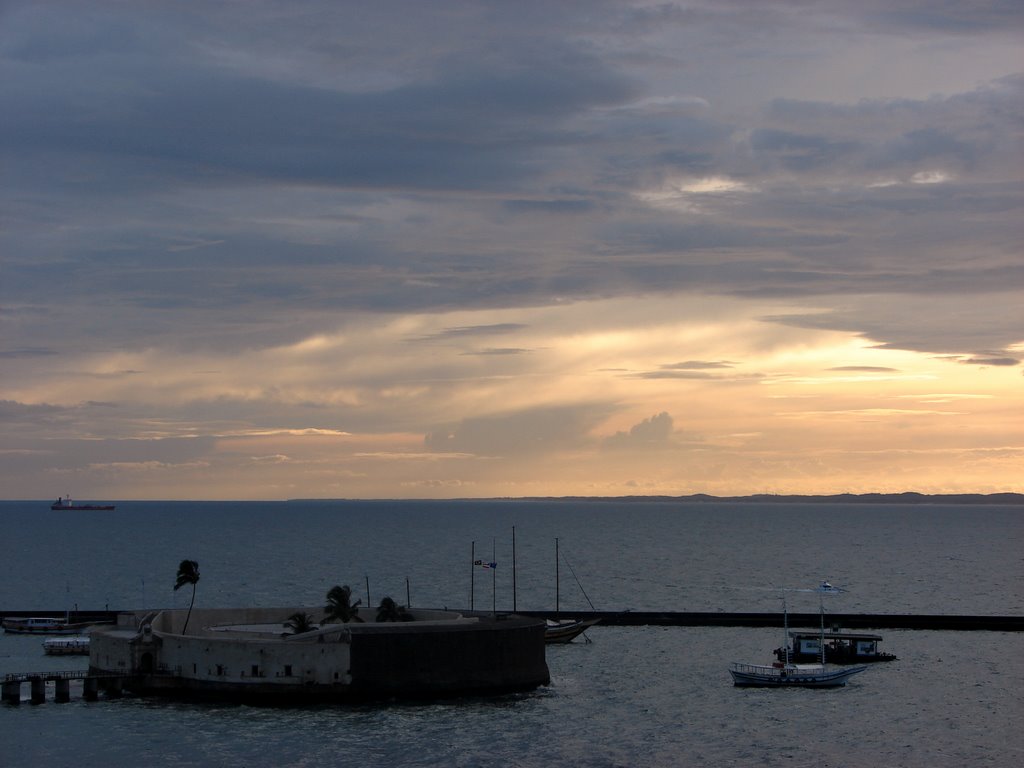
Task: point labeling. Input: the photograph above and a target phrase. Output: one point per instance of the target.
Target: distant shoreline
(841, 498)
(908, 497)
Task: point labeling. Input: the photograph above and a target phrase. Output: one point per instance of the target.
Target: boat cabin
(840, 647)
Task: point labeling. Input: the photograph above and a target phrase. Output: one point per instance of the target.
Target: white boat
(40, 625)
(786, 674)
(77, 645)
(782, 675)
(566, 631)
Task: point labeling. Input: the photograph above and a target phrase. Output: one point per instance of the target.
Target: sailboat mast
(556, 578)
(785, 628)
(821, 612)
(514, 605)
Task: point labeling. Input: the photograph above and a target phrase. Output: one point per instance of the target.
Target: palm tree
(340, 606)
(389, 610)
(299, 622)
(188, 573)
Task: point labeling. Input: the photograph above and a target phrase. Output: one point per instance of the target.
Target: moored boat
(785, 673)
(78, 645)
(565, 631)
(41, 625)
(782, 675)
(559, 630)
(839, 647)
(64, 503)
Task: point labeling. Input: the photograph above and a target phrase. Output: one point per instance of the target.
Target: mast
(785, 629)
(556, 577)
(821, 612)
(514, 605)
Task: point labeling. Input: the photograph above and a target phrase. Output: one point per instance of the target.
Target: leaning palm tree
(188, 573)
(389, 610)
(340, 606)
(299, 622)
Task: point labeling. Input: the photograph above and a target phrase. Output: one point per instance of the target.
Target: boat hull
(67, 646)
(65, 504)
(82, 507)
(41, 626)
(566, 631)
(792, 676)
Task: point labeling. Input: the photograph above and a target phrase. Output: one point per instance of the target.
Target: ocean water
(633, 696)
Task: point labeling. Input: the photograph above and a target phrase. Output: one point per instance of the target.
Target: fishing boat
(64, 503)
(41, 625)
(785, 673)
(78, 645)
(781, 675)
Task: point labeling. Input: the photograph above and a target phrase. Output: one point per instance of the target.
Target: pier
(10, 686)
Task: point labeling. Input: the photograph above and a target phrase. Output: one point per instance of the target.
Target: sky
(275, 250)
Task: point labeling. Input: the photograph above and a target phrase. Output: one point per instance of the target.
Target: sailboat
(784, 673)
(565, 630)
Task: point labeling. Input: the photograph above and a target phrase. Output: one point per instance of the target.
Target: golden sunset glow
(603, 256)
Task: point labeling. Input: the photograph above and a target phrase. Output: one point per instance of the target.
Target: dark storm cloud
(469, 331)
(117, 98)
(155, 155)
(951, 16)
(967, 131)
(800, 152)
(12, 412)
(26, 352)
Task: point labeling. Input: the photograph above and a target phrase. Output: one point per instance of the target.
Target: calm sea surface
(633, 697)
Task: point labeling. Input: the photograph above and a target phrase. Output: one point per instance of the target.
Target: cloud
(654, 432)
(692, 365)
(536, 431)
(1005, 361)
(258, 231)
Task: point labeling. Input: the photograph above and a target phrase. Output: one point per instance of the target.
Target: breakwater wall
(844, 620)
(708, 619)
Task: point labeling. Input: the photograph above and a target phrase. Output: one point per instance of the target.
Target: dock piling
(11, 692)
(62, 691)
